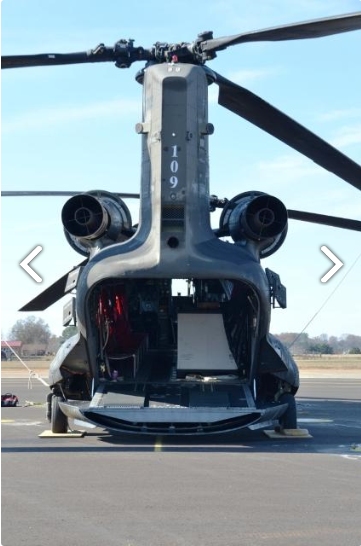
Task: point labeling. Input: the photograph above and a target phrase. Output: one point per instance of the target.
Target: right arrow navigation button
(335, 260)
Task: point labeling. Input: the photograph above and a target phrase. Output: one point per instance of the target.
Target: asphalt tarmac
(243, 489)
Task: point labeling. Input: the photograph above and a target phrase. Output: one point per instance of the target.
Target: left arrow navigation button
(25, 263)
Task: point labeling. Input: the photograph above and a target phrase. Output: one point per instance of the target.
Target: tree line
(323, 344)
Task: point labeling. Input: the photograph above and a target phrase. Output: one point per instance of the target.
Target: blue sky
(72, 128)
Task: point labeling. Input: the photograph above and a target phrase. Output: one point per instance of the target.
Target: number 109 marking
(174, 166)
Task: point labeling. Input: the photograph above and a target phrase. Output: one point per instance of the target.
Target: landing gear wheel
(59, 421)
(289, 418)
(49, 401)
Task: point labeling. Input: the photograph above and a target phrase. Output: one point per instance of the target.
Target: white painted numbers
(174, 165)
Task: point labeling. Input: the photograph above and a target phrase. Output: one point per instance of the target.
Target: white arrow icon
(25, 263)
(335, 260)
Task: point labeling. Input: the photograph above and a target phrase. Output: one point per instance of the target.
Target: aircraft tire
(289, 418)
(49, 401)
(59, 421)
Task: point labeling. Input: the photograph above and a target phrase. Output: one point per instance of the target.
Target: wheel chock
(70, 434)
(288, 433)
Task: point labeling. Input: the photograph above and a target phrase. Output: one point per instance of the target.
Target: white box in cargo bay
(202, 343)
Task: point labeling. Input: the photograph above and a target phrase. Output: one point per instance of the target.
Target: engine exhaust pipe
(96, 219)
(85, 217)
(255, 216)
(264, 217)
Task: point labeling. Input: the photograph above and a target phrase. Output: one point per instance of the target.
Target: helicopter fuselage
(206, 354)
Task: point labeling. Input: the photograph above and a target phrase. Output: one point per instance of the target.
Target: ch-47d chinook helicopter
(146, 359)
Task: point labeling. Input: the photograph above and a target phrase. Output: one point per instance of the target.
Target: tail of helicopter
(157, 359)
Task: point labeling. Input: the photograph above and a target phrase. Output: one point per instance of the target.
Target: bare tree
(30, 330)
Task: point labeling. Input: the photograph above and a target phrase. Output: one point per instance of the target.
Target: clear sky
(72, 128)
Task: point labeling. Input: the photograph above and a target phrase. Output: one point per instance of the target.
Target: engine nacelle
(95, 219)
(258, 217)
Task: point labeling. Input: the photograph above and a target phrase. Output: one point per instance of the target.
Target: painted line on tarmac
(21, 423)
(352, 457)
(158, 444)
(311, 420)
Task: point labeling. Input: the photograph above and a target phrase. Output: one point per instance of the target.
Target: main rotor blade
(333, 221)
(249, 106)
(41, 193)
(50, 59)
(52, 294)
(123, 54)
(316, 28)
